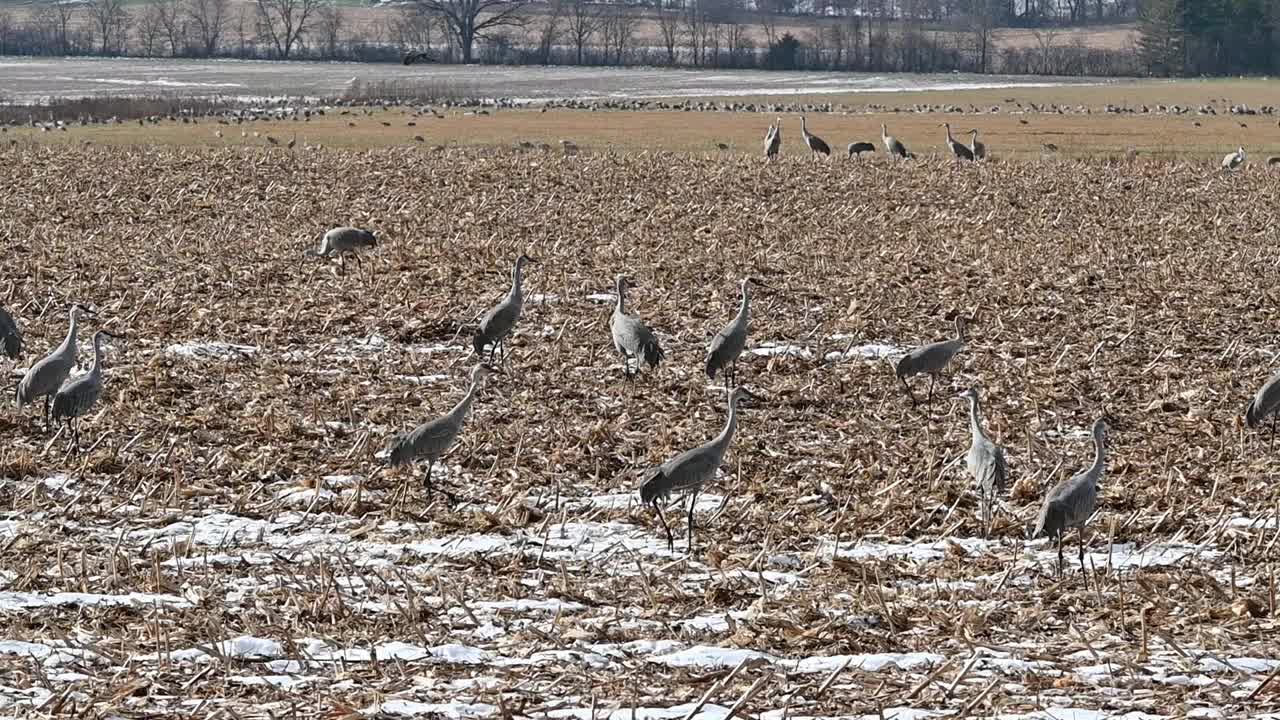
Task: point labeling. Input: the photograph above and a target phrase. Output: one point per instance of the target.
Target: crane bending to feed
(690, 470)
(1265, 404)
(1233, 160)
(343, 241)
(10, 335)
(932, 359)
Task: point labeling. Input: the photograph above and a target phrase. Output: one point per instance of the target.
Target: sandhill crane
(985, 460)
(432, 439)
(293, 141)
(1071, 502)
(891, 144)
(728, 344)
(1233, 160)
(78, 394)
(631, 337)
(272, 140)
(45, 377)
(344, 241)
(976, 147)
(570, 149)
(10, 335)
(960, 151)
(1273, 160)
(931, 358)
(721, 146)
(690, 470)
(857, 148)
(773, 139)
(1049, 147)
(501, 319)
(817, 146)
(1265, 404)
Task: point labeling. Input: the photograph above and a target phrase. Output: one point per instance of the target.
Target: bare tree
(111, 21)
(209, 19)
(330, 20)
(584, 21)
(173, 24)
(619, 27)
(282, 23)
(53, 21)
(469, 20)
(696, 30)
(736, 41)
(1045, 38)
(150, 29)
(669, 27)
(412, 28)
(983, 17)
(549, 30)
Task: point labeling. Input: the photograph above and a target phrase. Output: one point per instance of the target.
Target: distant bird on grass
(431, 440)
(77, 395)
(631, 337)
(690, 470)
(932, 359)
(344, 241)
(47, 375)
(501, 319)
(857, 148)
(570, 149)
(892, 145)
(817, 146)
(985, 460)
(1264, 405)
(976, 147)
(1071, 502)
(1233, 160)
(773, 139)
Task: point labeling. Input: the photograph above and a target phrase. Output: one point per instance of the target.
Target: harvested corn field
(228, 542)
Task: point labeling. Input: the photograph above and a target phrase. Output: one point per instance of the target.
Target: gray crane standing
(817, 146)
(985, 460)
(690, 470)
(47, 375)
(498, 323)
(892, 145)
(1071, 502)
(932, 358)
(1265, 404)
(433, 438)
(343, 241)
(959, 150)
(773, 140)
(976, 147)
(78, 394)
(1233, 160)
(729, 343)
(631, 337)
(10, 335)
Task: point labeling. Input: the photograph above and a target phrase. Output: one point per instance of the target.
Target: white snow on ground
(198, 349)
(873, 351)
(10, 601)
(782, 348)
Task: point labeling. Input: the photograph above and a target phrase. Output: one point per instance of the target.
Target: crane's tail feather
(653, 353)
(1251, 414)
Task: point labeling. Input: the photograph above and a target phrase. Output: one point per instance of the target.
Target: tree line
(853, 35)
(1210, 37)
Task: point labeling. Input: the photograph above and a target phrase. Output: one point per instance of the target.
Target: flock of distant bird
(1069, 504)
(975, 150)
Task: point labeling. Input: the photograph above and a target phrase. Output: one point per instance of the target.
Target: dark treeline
(1178, 36)
(1210, 37)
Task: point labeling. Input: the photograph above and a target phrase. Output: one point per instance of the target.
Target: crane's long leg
(933, 377)
(693, 498)
(1060, 561)
(1084, 572)
(914, 402)
(1273, 430)
(430, 463)
(671, 540)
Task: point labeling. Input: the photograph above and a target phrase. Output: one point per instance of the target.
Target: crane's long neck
(69, 344)
(975, 419)
(745, 308)
(96, 369)
(622, 300)
(1099, 456)
(721, 443)
(464, 405)
(516, 278)
(949, 138)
